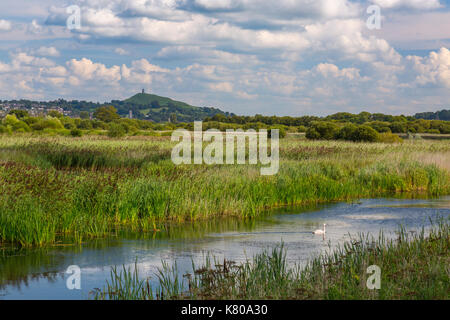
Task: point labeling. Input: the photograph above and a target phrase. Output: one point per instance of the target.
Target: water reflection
(40, 273)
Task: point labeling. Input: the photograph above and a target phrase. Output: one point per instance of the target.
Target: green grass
(413, 266)
(83, 188)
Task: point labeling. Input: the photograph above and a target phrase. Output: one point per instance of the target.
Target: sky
(284, 57)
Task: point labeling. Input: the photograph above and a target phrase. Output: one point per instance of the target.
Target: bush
(10, 120)
(444, 128)
(388, 137)
(366, 134)
(4, 129)
(398, 127)
(75, 132)
(347, 132)
(69, 126)
(380, 126)
(322, 130)
(116, 130)
(312, 134)
(15, 124)
(47, 123)
(85, 124)
(21, 127)
(281, 133)
(20, 114)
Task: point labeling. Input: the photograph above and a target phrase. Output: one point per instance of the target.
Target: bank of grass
(413, 266)
(54, 188)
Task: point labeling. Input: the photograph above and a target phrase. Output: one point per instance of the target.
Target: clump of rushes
(413, 266)
(77, 189)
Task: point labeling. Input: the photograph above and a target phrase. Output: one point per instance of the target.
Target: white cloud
(221, 87)
(330, 70)
(121, 51)
(85, 69)
(47, 52)
(434, 69)
(248, 56)
(415, 4)
(5, 25)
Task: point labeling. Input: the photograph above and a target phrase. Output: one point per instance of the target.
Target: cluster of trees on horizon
(215, 114)
(340, 126)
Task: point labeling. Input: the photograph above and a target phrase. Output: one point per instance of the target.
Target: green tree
(347, 132)
(20, 114)
(322, 130)
(173, 117)
(84, 115)
(106, 114)
(55, 114)
(365, 133)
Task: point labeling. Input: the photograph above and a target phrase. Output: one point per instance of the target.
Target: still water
(40, 273)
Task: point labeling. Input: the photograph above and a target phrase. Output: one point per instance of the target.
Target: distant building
(130, 114)
(143, 91)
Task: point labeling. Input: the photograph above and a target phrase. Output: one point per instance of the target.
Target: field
(66, 190)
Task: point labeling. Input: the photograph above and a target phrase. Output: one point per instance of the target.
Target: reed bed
(83, 188)
(413, 266)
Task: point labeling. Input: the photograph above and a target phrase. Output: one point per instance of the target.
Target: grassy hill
(158, 108)
(146, 99)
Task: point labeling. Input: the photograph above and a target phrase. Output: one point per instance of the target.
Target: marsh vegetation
(63, 189)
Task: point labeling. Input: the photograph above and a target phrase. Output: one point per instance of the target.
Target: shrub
(365, 133)
(347, 132)
(20, 114)
(47, 123)
(4, 129)
(380, 126)
(281, 133)
(116, 130)
(444, 128)
(10, 120)
(55, 114)
(388, 137)
(69, 126)
(21, 127)
(75, 132)
(85, 124)
(30, 120)
(312, 134)
(322, 130)
(398, 127)
(15, 124)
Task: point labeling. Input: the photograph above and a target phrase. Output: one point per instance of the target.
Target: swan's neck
(324, 229)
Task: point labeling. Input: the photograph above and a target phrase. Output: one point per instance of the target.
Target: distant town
(34, 109)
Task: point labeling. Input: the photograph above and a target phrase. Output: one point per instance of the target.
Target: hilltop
(159, 108)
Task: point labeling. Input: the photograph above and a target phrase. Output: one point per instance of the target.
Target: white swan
(318, 231)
